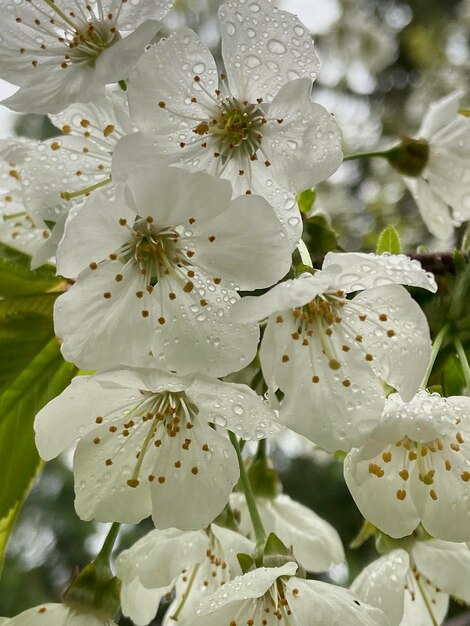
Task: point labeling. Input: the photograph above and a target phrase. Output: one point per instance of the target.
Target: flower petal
(68, 416)
(245, 244)
(363, 271)
(235, 407)
(284, 53)
(403, 331)
(373, 584)
(306, 147)
(315, 603)
(439, 114)
(434, 210)
(139, 603)
(193, 493)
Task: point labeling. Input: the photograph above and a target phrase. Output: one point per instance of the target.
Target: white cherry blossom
(412, 587)
(257, 126)
(193, 563)
(415, 468)
(442, 191)
(17, 226)
(315, 543)
(158, 270)
(65, 51)
(330, 355)
(146, 445)
(273, 596)
(56, 615)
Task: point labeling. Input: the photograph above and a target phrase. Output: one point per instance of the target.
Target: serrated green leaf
(17, 279)
(41, 304)
(389, 241)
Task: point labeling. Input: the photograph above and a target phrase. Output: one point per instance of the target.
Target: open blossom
(257, 126)
(274, 597)
(18, 229)
(330, 355)
(158, 270)
(192, 563)
(55, 615)
(412, 587)
(146, 445)
(442, 190)
(315, 543)
(415, 468)
(66, 51)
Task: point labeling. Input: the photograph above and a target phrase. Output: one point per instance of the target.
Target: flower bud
(410, 157)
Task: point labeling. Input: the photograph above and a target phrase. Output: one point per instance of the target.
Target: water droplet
(276, 47)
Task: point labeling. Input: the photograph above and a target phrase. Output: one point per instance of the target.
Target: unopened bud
(410, 157)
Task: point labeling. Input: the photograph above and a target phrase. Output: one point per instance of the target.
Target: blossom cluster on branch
(169, 206)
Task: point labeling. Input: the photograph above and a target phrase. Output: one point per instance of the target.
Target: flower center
(90, 39)
(235, 127)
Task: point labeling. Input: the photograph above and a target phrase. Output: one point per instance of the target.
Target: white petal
(382, 584)
(116, 62)
(96, 227)
(251, 585)
(363, 271)
(173, 196)
(56, 615)
(54, 89)
(133, 14)
(335, 408)
(306, 147)
(103, 463)
(232, 543)
(314, 603)
(139, 603)
(284, 53)
(158, 558)
(446, 564)
(401, 359)
(151, 82)
(287, 295)
(376, 496)
(316, 544)
(245, 244)
(416, 611)
(68, 416)
(89, 322)
(434, 211)
(448, 179)
(235, 407)
(193, 494)
(439, 114)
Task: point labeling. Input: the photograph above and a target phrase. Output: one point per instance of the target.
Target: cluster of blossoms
(159, 202)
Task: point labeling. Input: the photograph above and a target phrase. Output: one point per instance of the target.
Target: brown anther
(112, 429)
(161, 479)
(118, 278)
(93, 265)
(387, 456)
(145, 313)
(376, 470)
(390, 333)
(383, 317)
(401, 494)
(346, 382)
(107, 295)
(217, 281)
(55, 145)
(162, 104)
(177, 464)
(211, 238)
(194, 470)
(96, 440)
(108, 130)
(133, 482)
(109, 462)
(433, 494)
(189, 286)
(363, 318)
(139, 294)
(345, 348)
(334, 364)
(315, 379)
(99, 419)
(285, 358)
(279, 319)
(122, 221)
(161, 320)
(205, 447)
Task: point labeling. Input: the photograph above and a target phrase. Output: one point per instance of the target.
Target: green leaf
(320, 238)
(389, 241)
(306, 200)
(16, 278)
(43, 377)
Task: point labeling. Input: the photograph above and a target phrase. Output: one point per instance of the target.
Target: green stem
(366, 155)
(435, 351)
(258, 527)
(463, 361)
(104, 554)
